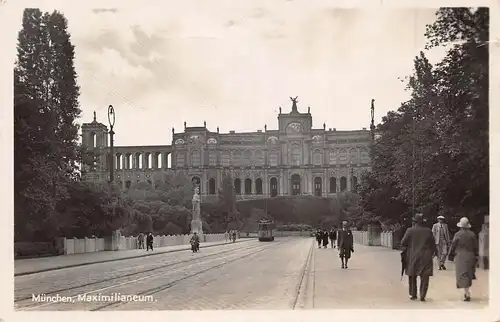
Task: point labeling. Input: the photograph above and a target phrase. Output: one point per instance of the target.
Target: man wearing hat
(442, 239)
(419, 246)
(345, 244)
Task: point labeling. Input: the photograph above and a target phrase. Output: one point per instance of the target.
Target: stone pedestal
(196, 227)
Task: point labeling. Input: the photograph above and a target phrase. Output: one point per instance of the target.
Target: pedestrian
(419, 248)
(345, 244)
(333, 237)
(441, 235)
(149, 242)
(324, 237)
(226, 236)
(140, 239)
(318, 237)
(464, 250)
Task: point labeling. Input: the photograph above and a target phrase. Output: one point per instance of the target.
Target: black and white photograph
(279, 155)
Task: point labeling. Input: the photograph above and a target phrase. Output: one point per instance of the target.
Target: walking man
(140, 239)
(149, 242)
(333, 237)
(419, 248)
(345, 244)
(442, 239)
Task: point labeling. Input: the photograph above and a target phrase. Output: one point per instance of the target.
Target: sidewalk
(43, 264)
(373, 281)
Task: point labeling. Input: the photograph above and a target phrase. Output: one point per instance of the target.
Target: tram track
(171, 268)
(133, 274)
(160, 288)
(300, 300)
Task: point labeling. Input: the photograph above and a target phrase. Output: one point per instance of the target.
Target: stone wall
(118, 242)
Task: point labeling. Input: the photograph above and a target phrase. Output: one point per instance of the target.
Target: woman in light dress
(464, 250)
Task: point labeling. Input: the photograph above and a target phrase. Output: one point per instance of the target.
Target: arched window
(247, 158)
(212, 158)
(332, 157)
(354, 156)
(333, 185)
(295, 181)
(237, 186)
(273, 158)
(248, 186)
(225, 159)
(318, 186)
(180, 160)
(317, 158)
(195, 158)
(259, 158)
(365, 156)
(258, 186)
(211, 186)
(296, 155)
(343, 183)
(342, 156)
(354, 183)
(274, 187)
(236, 159)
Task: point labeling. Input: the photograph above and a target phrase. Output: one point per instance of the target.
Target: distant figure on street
(333, 237)
(318, 237)
(442, 239)
(419, 249)
(149, 242)
(140, 240)
(465, 247)
(324, 237)
(195, 242)
(345, 244)
(226, 236)
(234, 236)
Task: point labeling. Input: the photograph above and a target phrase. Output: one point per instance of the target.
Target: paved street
(285, 274)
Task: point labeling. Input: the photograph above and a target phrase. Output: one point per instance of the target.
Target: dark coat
(345, 239)
(149, 239)
(333, 234)
(324, 237)
(465, 247)
(419, 246)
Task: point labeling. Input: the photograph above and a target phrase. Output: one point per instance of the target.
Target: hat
(464, 223)
(344, 222)
(418, 218)
(440, 217)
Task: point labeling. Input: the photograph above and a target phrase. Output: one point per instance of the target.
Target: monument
(196, 224)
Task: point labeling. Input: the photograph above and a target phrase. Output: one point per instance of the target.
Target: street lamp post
(111, 120)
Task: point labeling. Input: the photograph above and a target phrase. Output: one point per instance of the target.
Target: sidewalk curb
(119, 259)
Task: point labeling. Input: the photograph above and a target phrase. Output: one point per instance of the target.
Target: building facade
(295, 159)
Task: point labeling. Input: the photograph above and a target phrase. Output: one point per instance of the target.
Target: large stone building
(294, 159)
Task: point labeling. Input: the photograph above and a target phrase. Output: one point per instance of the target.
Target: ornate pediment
(294, 127)
(273, 140)
(179, 142)
(212, 141)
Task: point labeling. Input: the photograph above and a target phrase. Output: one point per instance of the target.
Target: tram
(266, 230)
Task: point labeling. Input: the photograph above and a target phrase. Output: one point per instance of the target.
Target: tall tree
(45, 133)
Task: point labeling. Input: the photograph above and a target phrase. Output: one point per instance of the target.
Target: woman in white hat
(464, 250)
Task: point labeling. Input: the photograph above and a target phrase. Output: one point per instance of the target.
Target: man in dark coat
(325, 239)
(420, 248)
(333, 237)
(345, 244)
(149, 242)
(318, 237)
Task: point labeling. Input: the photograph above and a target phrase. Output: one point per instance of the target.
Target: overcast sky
(234, 66)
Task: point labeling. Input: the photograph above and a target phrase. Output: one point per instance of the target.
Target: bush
(35, 249)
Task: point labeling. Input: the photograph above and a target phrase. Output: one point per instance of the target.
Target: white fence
(90, 245)
(363, 238)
